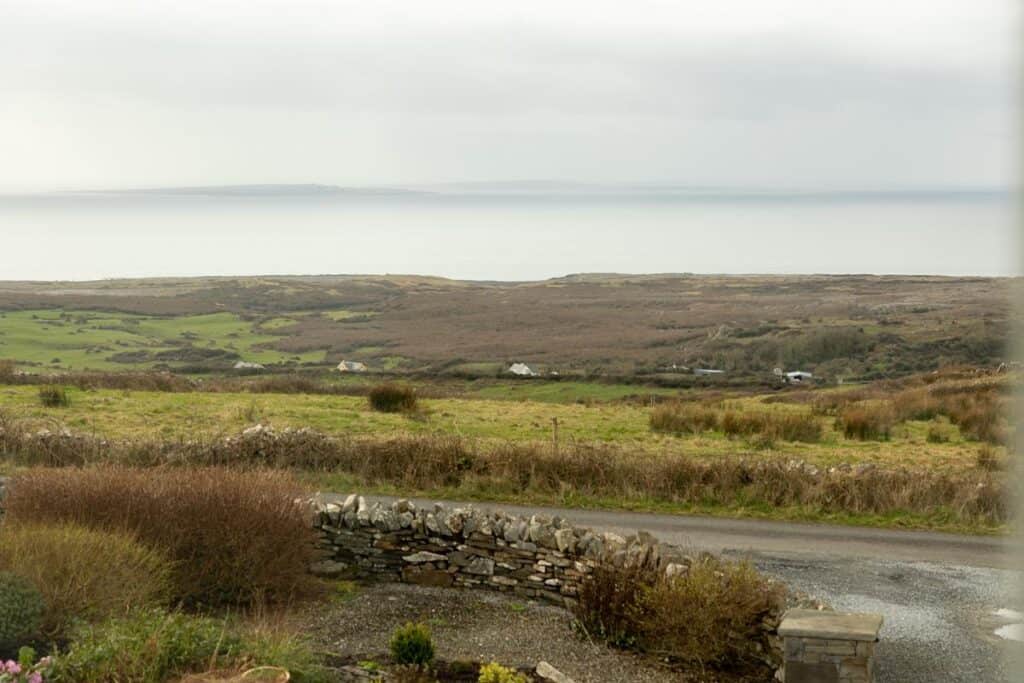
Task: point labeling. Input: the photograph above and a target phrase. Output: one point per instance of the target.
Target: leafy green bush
(939, 432)
(54, 397)
(152, 646)
(392, 398)
(496, 673)
(62, 562)
(412, 644)
(21, 611)
(234, 537)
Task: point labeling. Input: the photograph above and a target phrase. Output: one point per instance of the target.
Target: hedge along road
(939, 593)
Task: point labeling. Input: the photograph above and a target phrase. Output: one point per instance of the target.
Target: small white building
(522, 370)
(351, 366)
(798, 376)
(247, 365)
(702, 372)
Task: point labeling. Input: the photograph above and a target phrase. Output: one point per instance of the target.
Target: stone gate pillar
(828, 647)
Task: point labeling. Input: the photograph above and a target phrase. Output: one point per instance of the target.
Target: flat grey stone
(809, 623)
(328, 568)
(546, 672)
(423, 556)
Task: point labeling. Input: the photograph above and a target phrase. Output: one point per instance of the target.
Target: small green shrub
(62, 561)
(53, 396)
(153, 646)
(496, 673)
(21, 611)
(412, 644)
(939, 432)
(392, 398)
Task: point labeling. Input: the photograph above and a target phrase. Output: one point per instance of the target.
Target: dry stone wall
(536, 557)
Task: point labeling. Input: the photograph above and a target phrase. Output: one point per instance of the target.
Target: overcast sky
(893, 93)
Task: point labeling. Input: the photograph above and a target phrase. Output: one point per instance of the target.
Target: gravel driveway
(479, 626)
(939, 593)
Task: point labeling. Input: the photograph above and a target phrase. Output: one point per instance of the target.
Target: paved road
(938, 592)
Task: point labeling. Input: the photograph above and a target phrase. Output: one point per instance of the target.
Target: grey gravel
(480, 626)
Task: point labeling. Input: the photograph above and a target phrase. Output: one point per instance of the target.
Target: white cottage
(522, 369)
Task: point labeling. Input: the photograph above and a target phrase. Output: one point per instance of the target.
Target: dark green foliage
(412, 644)
(53, 396)
(21, 611)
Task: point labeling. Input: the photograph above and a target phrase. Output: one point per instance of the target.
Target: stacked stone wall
(536, 557)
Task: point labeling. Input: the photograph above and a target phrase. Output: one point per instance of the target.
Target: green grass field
(79, 340)
(137, 414)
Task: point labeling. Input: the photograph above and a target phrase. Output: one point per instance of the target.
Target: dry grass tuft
(867, 421)
(392, 398)
(84, 573)
(235, 537)
(678, 417)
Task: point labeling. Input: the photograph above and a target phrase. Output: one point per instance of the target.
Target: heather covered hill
(852, 326)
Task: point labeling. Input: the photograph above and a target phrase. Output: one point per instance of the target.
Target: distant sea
(504, 235)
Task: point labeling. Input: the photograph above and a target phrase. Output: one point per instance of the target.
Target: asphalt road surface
(943, 596)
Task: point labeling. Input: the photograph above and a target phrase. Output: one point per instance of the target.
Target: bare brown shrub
(711, 615)
(916, 404)
(609, 603)
(235, 537)
(789, 426)
(979, 416)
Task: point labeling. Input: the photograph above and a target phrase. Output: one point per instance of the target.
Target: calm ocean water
(503, 237)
